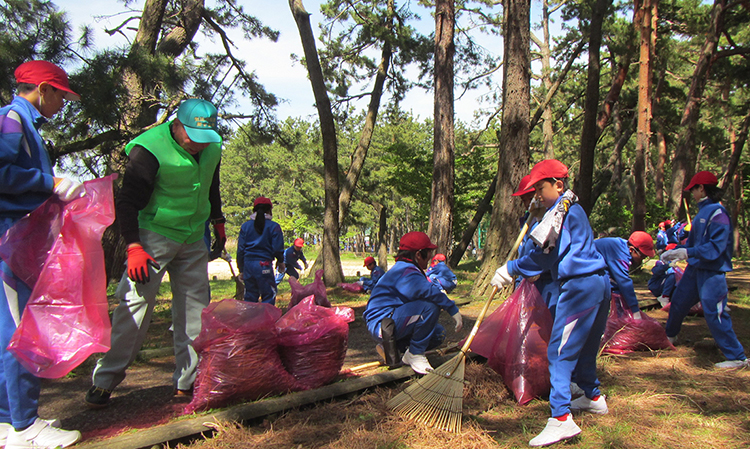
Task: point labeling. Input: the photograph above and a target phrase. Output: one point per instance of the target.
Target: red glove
(138, 263)
(220, 240)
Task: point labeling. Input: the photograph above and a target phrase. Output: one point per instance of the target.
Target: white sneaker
(41, 435)
(5, 428)
(418, 362)
(555, 431)
(728, 364)
(584, 404)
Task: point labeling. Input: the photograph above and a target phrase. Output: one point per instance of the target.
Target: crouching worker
(440, 273)
(565, 247)
(619, 255)
(375, 274)
(403, 310)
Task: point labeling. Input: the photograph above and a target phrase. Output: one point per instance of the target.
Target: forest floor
(667, 398)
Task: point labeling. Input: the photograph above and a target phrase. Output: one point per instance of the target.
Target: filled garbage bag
(514, 340)
(57, 251)
(313, 341)
(625, 334)
(317, 289)
(353, 287)
(239, 360)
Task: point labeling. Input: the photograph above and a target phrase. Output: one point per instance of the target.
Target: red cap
(524, 187)
(415, 241)
(667, 222)
(37, 72)
(642, 241)
(702, 177)
(262, 200)
(549, 168)
(369, 260)
(439, 257)
(299, 243)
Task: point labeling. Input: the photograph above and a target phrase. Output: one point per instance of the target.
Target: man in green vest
(170, 189)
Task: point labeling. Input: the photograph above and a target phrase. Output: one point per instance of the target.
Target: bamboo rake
(436, 399)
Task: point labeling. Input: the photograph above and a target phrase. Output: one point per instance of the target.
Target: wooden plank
(187, 428)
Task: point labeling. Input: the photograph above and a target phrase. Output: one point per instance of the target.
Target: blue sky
(271, 62)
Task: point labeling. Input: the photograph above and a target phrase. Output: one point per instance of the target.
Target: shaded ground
(649, 395)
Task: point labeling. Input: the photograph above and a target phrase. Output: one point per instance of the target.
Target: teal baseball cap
(199, 118)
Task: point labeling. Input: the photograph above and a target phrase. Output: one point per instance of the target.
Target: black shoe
(97, 397)
(388, 333)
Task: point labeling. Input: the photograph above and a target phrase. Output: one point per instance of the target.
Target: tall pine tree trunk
(440, 228)
(644, 10)
(513, 161)
(584, 180)
(329, 255)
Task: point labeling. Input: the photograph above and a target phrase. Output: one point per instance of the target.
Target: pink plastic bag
(696, 309)
(313, 341)
(354, 287)
(514, 340)
(239, 360)
(625, 334)
(66, 319)
(317, 289)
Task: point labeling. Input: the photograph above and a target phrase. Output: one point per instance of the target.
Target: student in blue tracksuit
(292, 256)
(565, 247)
(709, 255)
(661, 237)
(260, 243)
(619, 255)
(26, 181)
(404, 307)
(375, 274)
(440, 273)
(662, 282)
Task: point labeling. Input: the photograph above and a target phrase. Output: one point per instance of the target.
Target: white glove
(501, 277)
(663, 300)
(674, 254)
(459, 321)
(67, 189)
(637, 315)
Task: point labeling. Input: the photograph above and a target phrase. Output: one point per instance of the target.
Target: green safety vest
(179, 206)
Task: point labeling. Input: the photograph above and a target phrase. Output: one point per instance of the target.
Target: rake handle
(486, 307)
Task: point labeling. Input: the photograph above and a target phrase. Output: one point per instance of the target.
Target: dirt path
(145, 397)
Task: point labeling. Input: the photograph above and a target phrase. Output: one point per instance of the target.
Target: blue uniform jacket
(26, 177)
(710, 242)
(291, 257)
(375, 276)
(404, 282)
(573, 256)
(442, 274)
(253, 246)
(617, 257)
(661, 240)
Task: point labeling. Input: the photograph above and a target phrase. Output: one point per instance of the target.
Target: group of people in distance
(170, 189)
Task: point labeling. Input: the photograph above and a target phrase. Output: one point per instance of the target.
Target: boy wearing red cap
(565, 247)
(709, 255)
(375, 274)
(169, 190)
(404, 307)
(27, 181)
(440, 273)
(260, 243)
(292, 256)
(620, 255)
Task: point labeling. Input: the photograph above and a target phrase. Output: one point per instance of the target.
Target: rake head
(436, 399)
